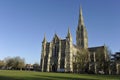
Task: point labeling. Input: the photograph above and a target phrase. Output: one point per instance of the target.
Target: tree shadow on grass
(64, 78)
(23, 78)
(42, 77)
(7, 78)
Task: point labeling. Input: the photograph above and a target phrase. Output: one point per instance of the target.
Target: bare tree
(82, 59)
(103, 59)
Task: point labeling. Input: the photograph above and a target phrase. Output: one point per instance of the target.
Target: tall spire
(81, 20)
(81, 32)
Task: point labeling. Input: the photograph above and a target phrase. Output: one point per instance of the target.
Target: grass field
(29, 75)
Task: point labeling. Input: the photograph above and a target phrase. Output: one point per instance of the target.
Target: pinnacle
(69, 34)
(44, 40)
(81, 21)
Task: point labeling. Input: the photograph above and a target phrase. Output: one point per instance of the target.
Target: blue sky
(24, 22)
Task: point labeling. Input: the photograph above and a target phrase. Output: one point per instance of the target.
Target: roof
(96, 47)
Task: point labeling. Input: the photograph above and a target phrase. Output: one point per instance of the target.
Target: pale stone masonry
(58, 55)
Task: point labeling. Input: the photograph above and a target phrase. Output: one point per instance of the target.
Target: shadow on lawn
(22, 78)
(63, 78)
(41, 77)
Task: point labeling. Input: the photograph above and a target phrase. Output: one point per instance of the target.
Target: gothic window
(55, 51)
(81, 27)
(62, 63)
(81, 34)
(82, 42)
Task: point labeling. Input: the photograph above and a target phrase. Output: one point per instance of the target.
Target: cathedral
(58, 55)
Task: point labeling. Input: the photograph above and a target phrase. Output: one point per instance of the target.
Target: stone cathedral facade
(58, 55)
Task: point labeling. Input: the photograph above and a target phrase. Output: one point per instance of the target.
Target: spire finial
(81, 21)
(80, 9)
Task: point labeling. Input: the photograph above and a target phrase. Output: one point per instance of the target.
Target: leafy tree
(2, 64)
(14, 63)
(36, 66)
(19, 63)
(9, 62)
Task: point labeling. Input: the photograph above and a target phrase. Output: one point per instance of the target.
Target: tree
(2, 64)
(103, 59)
(82, 59)
(9, 62)
(19, 63)
(36, 66)
(107, 65)
(14, 63)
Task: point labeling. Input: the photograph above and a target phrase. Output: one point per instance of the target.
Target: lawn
(31, 75)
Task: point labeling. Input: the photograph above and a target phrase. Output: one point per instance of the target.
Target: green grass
(29, 75)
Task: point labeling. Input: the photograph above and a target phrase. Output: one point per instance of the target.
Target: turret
(69, 36)
(44, 39)
(43, 53)
(68, 53)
